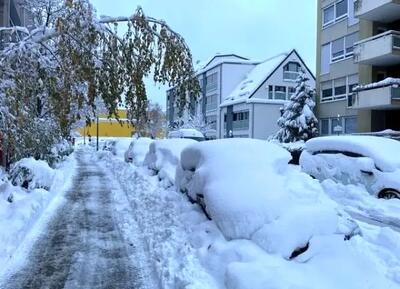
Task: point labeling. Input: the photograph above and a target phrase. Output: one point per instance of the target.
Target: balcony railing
(382, 49)
(383, 94)
(377, 10)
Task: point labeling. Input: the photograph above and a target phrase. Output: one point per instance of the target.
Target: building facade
(253, 108)
(358, 47)
(240, 97)
(218, 77)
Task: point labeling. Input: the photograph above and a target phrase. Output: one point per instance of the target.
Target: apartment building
(218, 77)
(240, 97)
(253, 108)
(358, 63)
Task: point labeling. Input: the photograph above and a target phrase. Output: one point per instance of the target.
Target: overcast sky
(257, 29)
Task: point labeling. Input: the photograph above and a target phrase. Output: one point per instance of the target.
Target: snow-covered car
(354, 159)
(251, 192)
(187, 133)
(110, 145)
(137, 150)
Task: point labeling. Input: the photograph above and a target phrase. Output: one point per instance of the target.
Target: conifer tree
(298, 121)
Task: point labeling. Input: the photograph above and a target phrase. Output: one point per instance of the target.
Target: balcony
(385, 11)
(380, 95)
(379, 50)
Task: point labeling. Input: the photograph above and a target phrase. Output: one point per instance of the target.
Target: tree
(156, 120)
(298, 121)
(55, 72)
(193, 121)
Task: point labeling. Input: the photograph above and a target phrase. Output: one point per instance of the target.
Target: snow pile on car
(163, 158)
(138, 149)
(251, 192)
(384, 151)
(32, 174)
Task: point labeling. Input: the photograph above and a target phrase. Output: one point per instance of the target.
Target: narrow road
(83, 246)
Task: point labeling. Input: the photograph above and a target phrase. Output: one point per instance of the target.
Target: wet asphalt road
(83, 246)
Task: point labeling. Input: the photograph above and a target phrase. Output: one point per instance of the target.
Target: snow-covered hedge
(60, 151)
(32, 174)
(163, 157)
(251, 192)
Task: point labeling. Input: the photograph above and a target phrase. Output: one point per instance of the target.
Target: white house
(253, 107)
(218, 77)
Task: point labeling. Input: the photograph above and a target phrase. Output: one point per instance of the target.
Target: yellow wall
(110, 128)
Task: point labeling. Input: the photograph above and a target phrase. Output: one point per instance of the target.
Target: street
(83, 246)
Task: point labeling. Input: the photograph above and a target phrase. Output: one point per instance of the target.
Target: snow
(163, 157)
(255, 78)
(203, 66)
(21, 208)
(394, 82)
(382, 150)
(280, 209)
(192, 252)
(186, 133)
(36, 172)
(137, 150)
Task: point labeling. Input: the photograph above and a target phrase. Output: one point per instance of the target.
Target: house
(358, 65)
(235, 87)
(218, 77)
(254, 106)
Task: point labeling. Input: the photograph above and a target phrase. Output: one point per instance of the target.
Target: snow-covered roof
(203, 66)
(186, 133)
(255, 78)
(384, 151)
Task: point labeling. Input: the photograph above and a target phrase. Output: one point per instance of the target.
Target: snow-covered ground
(20, 209)
(191, 251)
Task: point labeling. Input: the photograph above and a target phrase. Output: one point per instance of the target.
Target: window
(338, 49)
(291, 71)
(341, 9)
(350, 40)
(340, 88)
(211, 102)
(329, 15)
(324, 126)
(270, 92)
(326, 91)
(241, 120)
(280, 92)
(335, 12)
(352, 18)
(212, 82)
(350, 125)
(325, 58)
(292, 90)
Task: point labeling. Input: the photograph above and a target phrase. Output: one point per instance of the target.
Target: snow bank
(21, 208)
(163, 157)
(251, 192)
(137, 150)
(384, 151)
(190, 251)
(32, 174)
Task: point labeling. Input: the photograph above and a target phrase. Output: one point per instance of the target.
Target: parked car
(137, 150)
(187, 133)
(355, 159)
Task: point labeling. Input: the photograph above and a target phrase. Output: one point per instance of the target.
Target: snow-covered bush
(251, 192)
(32, 174)
(298, 121)
(137, 150)
(60, 151)
(163, 158)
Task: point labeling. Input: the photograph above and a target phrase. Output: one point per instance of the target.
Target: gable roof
(259, 75)
(218, 59)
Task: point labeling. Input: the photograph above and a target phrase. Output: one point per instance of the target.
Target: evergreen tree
(298, 121)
